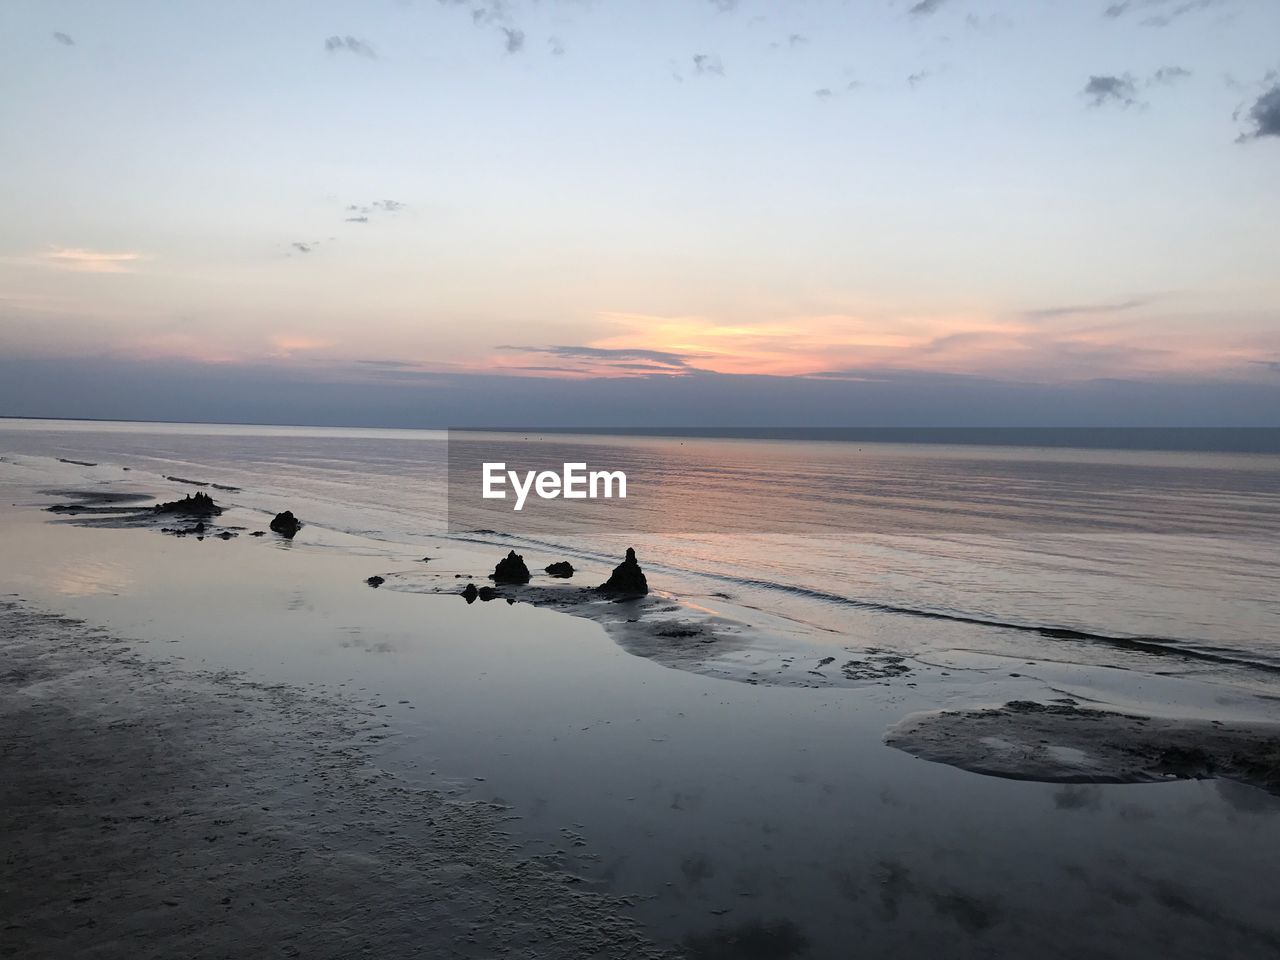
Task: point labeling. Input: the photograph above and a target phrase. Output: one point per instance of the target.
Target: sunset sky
(748, 196)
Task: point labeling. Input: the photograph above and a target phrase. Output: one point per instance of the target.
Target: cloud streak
(708, 64)
(1102, 90)
(1162, 12)
(81, 260)
(350, 44)
(607, 361)
(1169, 75)
(1091, 309)
(514, 39)
(1264, 115)
(925, 8)
(63, 39)
(361, 212)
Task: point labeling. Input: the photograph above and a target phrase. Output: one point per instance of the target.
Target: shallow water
(719, 804)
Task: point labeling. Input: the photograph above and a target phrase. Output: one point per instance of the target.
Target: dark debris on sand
(192, 505)
(486, 593)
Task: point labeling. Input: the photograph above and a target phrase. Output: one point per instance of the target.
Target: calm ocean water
(982, 540)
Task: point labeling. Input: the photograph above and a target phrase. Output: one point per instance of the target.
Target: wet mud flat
(152, 811)
(683, 635)
(1065, 743)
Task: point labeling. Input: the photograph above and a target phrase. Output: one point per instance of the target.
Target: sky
(436, 212)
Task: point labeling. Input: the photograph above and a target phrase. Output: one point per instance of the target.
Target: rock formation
(510, 569)
(200, 505)
(285, 524)
(562, 569)
(627, 579)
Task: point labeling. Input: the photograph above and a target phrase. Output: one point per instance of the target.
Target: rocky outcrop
(285, 524)
(199, 505)
(376, 581)
(510, 569)
(562, 569)
(627, 579)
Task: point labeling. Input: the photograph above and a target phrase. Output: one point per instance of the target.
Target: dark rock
(562, 569)
(258, 533)
(510, 569)
(376, 581)
(286, 524)
(487, 593)
(198, 505)
(199, 528)
(425, 560)
(469, 593)
(627, 579)
(226, 535)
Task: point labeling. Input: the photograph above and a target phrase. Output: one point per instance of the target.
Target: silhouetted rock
(488, 593)
(510, 569)
(376, 581)
(199, 505)
(286, 524)
(258, 533)
(469, 593)
(627, 579)
(561, 568)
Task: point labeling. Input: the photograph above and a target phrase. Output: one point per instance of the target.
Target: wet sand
(151, 811)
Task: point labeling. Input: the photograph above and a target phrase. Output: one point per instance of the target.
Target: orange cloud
(1044, 345)
(792, 346)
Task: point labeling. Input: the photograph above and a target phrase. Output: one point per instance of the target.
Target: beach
(240, 741)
